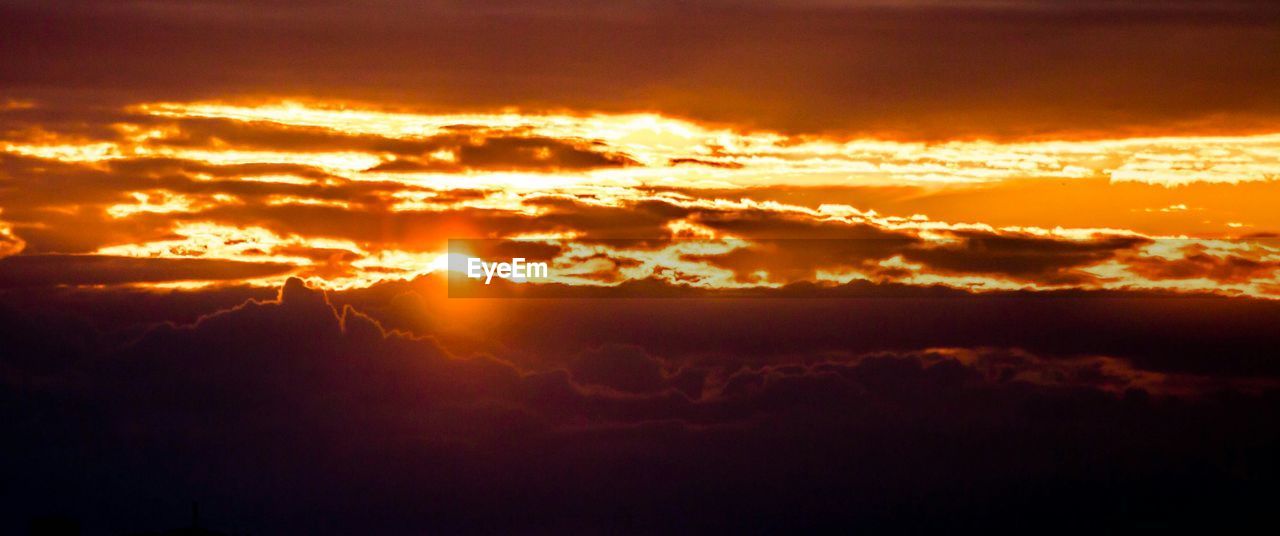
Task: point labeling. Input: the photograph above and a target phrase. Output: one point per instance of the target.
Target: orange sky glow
(255, 183)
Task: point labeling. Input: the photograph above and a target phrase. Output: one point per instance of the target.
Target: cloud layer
(348, 196)
(913, 69)
(399, 434)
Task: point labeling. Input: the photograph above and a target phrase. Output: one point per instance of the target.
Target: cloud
(455, 150)
(354, 195)
(851, 264)
(299, 393)
(356, 232)
(1197, 263)
(1050, 261)
(48, 270)
(929, 69)
(9, 244)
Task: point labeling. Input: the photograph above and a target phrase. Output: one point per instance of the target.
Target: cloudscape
(551, 266)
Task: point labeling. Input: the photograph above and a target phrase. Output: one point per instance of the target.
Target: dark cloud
(1053, 261)
(299, 414)
(630, 369)
(46, 270)
(1197, 264)
(1159, 331)
(700, 162)
(469, 148)
(1077, 203)
(1046, 261)
(909, 69)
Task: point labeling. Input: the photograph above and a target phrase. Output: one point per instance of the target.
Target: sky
(882, 265)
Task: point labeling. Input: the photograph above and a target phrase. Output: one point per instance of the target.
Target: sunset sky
(891, 265)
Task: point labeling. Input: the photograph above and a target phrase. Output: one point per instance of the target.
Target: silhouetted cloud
(41, 270)
(251, 404)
